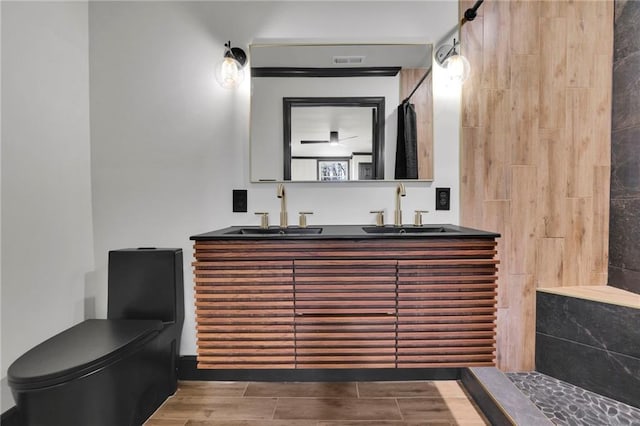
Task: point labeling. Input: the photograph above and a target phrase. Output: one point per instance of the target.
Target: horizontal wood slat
(342, 343)
(233, 352)
(446, 350)
(245, 337)
(377, 303)
(448, 303)
(345, 359)
(435, 335)
(391, 364)
(345, 312)
(435, 343)
(212, 312)
(449, 358)
(323, 350)
(359, 334)
(447, 327)
(402, 312)
(253, 344)
(206, 364)
(235, 304)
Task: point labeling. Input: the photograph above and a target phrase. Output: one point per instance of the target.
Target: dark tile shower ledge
(589, 337)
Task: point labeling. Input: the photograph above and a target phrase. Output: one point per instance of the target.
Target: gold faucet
(303, 219)
(397, 216)
(379, 217)
(417, 221)
(283, 206)
(264, 219)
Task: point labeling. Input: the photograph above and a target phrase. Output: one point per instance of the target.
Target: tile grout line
(275, 407)
(399, 410)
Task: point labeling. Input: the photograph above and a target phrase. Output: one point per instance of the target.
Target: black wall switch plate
(443, 198)
(239, 200)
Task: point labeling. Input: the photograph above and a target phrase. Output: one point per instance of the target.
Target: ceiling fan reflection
(334, 139)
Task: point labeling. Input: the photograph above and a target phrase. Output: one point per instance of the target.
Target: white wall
(168, 145)
(47, 243)
(2, 373)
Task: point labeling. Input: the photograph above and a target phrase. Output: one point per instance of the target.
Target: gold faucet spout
(400, 192)
(280, 193)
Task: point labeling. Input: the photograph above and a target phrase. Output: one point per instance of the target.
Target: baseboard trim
(187, 370)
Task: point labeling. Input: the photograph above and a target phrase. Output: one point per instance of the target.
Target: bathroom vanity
(345, 296)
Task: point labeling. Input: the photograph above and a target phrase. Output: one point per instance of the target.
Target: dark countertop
(344, 232)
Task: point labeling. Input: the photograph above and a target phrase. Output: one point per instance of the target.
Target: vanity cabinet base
(343, 304)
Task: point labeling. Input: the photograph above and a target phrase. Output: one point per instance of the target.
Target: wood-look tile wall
(535, 151)
(422, 101)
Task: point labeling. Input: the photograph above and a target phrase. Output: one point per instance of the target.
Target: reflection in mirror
(333, 139)
(387, 71)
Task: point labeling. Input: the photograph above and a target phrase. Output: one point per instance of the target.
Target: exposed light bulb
(229, 73)
(333, 138)
(457, 68)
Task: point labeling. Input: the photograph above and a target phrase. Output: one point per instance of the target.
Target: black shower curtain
(407, 143)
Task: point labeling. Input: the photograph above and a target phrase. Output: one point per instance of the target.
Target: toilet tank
(146, 283)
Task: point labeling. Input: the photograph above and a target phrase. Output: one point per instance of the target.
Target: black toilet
(114, 371)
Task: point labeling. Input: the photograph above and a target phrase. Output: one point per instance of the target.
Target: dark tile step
(499, 399)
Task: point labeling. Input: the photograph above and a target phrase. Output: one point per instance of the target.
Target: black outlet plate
(239, 200)
(443, 198)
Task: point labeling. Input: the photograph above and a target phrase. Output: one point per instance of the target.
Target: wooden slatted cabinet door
(345, 313)
(244, 313)
(446, 312)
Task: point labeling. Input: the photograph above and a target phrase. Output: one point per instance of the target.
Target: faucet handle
(418, 217)
(379, 217)
(303, 219)
(264, 220)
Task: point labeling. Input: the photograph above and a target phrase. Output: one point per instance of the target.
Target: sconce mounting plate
(239, 55)
(442, 53)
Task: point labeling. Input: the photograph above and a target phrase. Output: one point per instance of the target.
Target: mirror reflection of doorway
(365, 171)
(349, 127)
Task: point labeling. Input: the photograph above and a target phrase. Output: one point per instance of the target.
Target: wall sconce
(456, 65)
(230, 70)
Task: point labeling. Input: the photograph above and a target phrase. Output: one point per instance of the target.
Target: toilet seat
(61, 358)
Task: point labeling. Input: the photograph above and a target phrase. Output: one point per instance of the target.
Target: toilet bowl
(114, 371)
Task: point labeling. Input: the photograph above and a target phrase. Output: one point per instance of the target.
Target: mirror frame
(376, 102)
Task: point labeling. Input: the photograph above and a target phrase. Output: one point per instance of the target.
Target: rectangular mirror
(318, 129)
(329, 112)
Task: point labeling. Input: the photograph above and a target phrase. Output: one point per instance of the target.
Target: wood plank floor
(413, 403)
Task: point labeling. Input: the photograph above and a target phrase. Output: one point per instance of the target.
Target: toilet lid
(79, 350)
